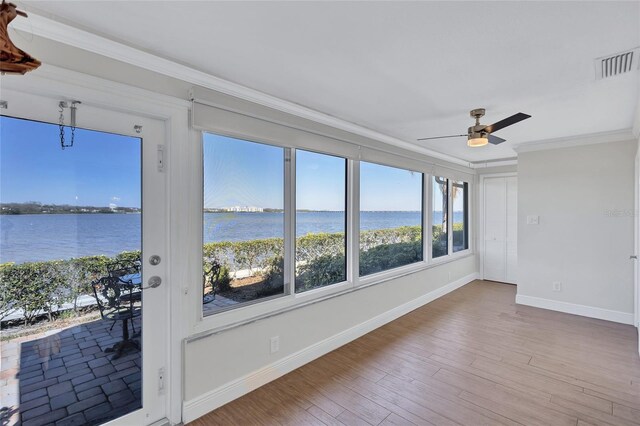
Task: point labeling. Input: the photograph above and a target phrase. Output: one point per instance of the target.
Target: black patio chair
(210, 274)
(124, 270)
(116, 304)
(123, 267)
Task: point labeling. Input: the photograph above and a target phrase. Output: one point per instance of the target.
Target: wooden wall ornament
(12, 59)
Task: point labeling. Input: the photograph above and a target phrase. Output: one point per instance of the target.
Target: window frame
(347, 224)
(364, 280)
(451, 255)
(466, 217)
(273, 305)
(287, 155)
(439, 259)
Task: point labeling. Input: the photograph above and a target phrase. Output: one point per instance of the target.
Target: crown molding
(494, 163)
(573, 141)
(75, 37)
(40, 84)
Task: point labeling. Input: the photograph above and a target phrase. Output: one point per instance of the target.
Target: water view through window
(244, 184)
(243, 221)
(321, 200)
(70, 226)
(390, 217)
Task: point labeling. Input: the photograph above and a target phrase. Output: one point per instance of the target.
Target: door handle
(634, 256)
(153, 282)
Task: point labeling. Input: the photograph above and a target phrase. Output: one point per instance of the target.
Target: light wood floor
(473, 357)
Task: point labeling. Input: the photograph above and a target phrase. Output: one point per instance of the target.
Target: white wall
(584, 197)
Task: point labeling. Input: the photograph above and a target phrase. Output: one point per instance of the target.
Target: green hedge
(41, 286)
(439, 240)
(257, 255)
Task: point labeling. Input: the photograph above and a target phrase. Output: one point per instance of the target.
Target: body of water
(28, 238)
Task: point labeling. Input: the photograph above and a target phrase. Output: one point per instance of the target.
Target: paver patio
(65, 378)
(220, 302)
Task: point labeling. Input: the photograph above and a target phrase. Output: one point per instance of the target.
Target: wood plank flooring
(472, 357)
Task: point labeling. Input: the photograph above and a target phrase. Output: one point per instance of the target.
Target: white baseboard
(211, 400)
(572, 308)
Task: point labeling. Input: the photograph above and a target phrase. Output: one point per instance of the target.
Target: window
(460, 203)
(390, 217)
(249, 188)
(320, 220)
(439, 219)
(243, 222)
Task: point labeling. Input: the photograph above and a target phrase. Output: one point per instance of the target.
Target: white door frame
(164, 119)
(480, 237)
(636, 267)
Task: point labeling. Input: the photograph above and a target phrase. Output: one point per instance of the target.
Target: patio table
(133, 282)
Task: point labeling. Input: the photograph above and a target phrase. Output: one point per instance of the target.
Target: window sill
(229, 319)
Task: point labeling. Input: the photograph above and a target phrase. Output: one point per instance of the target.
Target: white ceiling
(406, 69)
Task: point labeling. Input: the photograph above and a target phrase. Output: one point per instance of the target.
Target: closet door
(495, 216)
(500, 224)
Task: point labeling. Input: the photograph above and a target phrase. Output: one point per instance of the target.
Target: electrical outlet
(557, 286)
(275, 344)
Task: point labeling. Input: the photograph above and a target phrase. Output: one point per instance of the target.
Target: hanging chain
(62, 105)
(73, 132)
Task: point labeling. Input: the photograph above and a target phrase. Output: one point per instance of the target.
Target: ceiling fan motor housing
(477, 131)
(477, 113)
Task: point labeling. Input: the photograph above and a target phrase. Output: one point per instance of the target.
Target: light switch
(533, 220)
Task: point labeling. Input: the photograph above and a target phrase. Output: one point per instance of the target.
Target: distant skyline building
(244, 209)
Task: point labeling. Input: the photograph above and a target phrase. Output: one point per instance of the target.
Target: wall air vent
(620, 63)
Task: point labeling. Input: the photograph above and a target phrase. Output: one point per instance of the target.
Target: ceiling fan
(480, 134)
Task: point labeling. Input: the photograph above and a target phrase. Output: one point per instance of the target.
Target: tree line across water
(34, 207)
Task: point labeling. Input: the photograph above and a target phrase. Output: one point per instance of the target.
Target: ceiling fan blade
(495, 140)
(440, 137)
(515, 118)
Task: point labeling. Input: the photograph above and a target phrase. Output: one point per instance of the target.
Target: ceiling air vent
(621, 63)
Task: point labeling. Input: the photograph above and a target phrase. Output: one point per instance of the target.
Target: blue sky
(388, 188)
(99, 170)
(241, 173)
(320, 181)
(103, 169)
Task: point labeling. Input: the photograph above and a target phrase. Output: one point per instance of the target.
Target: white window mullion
(470, 212)
(427, 208)
(289, 220)
(353, 221)
(450, 216)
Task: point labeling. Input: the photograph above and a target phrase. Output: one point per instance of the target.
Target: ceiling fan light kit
(476, 141)
(477, 136)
